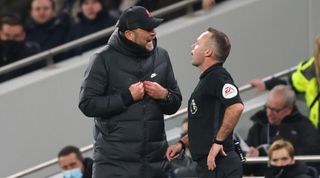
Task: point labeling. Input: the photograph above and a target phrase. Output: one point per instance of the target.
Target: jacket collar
(211, 68)
(129, 48)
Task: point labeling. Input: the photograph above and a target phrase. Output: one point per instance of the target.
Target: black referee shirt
(213, 94)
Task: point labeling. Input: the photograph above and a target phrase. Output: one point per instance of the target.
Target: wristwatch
(168, 97)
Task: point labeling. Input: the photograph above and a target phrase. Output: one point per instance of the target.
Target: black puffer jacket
(130, 140)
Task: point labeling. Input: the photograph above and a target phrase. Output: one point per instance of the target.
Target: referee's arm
(230, 120)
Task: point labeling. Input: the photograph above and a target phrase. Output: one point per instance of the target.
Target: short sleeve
(227, 92)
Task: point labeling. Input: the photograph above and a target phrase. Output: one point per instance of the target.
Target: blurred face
(90, 8)
(276, 109)
(281, 158)
(12, 32)
(199, 49)
(70, 162)
(142, 37)
(42, 11)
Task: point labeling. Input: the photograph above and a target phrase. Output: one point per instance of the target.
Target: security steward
(214, 110)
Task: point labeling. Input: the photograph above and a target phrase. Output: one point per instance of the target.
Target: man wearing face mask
(282, 163)
(13, 45)
(73, 164)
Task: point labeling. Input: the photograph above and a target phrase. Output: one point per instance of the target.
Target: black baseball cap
(137, 17)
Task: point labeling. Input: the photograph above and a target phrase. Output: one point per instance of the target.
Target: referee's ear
(208, 52)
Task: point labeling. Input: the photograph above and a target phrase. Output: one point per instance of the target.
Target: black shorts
(227, 167)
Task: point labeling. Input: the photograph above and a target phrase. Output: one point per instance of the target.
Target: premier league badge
(193, 107)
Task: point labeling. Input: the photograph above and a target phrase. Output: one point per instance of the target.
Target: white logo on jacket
(153, 75)
(229, 91)
(193, 107)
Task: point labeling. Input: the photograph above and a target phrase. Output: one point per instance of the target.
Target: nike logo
(153, 75)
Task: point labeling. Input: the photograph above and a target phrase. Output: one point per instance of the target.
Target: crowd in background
(28, 27)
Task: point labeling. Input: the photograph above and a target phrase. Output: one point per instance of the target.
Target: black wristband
(182, 144)
(218, 141)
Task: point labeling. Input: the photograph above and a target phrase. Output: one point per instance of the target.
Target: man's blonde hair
(279, 144)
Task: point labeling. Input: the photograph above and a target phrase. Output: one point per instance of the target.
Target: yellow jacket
(304, 81)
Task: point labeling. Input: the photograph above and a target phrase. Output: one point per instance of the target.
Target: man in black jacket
(14, 46)
(281, 120)
(127, 88)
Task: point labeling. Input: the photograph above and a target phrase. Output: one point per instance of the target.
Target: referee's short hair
(221, 44)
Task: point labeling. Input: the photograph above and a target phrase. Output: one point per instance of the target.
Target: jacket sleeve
(299, 78)
(274, 82)
(94, 100)
(173, 101)
(250, 135)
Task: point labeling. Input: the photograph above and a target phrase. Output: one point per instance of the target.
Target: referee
(213, 111)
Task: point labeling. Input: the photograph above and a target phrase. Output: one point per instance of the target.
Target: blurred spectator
(92, 18)
(44, 28)
(281, 120)
(14, 47)
(304, 80)
(209, 4)
(73, 164)
(203, 4)
(15, 6)
(282, 163)
(68, 7)
(151, 5)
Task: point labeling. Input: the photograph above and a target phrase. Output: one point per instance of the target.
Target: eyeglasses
(274, 110)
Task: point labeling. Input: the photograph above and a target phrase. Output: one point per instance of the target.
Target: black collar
(211, 68)
(135, 48)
